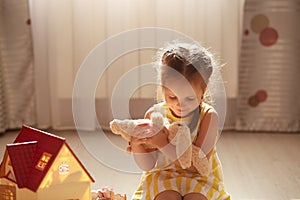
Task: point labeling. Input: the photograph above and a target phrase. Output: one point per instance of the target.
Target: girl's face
(182, 97)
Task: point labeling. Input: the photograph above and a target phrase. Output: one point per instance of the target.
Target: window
(42, 163)
(7, 195)
(7, 192)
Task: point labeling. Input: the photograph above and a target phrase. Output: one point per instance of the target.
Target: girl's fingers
(142, 131)
(139, 140)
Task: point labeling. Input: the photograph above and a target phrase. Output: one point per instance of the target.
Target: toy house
(42, 166)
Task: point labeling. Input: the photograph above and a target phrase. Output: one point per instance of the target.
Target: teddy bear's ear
(184, 146)
(116, 128)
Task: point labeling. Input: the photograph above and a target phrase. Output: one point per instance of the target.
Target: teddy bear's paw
(200, 161)
(157, 120)
(185, 159)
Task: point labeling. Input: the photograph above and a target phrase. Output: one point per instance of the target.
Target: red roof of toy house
(27, 150)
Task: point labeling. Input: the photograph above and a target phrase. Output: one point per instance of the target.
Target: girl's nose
(181, 103)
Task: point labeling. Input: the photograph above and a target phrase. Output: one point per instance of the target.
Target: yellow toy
(188, 154)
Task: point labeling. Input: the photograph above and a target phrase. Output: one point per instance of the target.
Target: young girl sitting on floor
(184, 72)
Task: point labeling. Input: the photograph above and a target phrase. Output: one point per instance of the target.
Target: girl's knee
(168, 195)
(194, 196)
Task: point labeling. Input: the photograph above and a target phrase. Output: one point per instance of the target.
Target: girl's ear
(202, 97)
(204, 90)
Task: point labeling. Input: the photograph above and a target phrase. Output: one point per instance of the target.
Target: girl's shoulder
(205, 106)
(207, 109)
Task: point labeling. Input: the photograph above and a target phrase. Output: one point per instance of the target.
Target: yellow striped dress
(168, 176)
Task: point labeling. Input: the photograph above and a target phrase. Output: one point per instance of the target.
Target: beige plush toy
(179, 135)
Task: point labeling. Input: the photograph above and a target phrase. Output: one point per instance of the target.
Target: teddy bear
(187, 153)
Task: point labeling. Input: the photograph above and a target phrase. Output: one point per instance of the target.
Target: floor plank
(255, 165)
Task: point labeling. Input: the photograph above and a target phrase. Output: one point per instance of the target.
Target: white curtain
(64, 32)
(17, 94)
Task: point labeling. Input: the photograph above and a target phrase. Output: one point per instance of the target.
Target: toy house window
(7, 195)
(42, 163)
(7, 192)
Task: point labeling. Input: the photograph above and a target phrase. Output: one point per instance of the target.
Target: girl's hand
(142, 130)
(159, 138)
(138, 139)
(144, 156)
(137, 145)
(135, 141)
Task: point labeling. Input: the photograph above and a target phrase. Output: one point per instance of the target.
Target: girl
(184, 72)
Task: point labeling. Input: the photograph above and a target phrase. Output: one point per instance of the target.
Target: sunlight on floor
(255, 165)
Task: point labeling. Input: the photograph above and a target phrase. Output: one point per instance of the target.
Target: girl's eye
(191, 98)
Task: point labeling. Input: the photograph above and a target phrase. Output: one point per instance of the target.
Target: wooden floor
(255, 165)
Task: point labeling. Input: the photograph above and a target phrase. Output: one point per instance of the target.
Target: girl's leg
(168, 195)
(194, 196)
